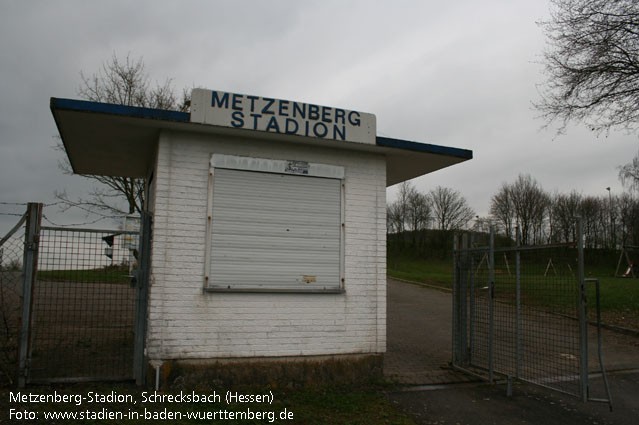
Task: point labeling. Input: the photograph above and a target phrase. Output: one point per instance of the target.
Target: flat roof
(118, 140)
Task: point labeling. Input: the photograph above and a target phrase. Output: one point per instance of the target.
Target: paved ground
(419, 335)
(419, 350)
(419, 338)
(472, 404)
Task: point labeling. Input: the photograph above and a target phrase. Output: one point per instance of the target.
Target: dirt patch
(290, 372)
(624, 320)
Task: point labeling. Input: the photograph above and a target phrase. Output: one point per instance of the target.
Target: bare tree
(122, 82)
(628, 206)
(530, 203)
(410, 211)
(450, 209)
(552, 219)
(394, 218)
(592, 64)
(566, 209)
(629, 173)
(607, 217)
(418, 210)
(590, 211)
(502, 209)
(398, 210)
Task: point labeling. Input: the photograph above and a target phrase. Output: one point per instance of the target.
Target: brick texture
(187, 323)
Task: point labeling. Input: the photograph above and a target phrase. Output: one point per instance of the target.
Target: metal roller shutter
(273, 231)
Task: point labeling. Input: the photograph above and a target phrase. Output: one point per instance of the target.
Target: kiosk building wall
(186, 322)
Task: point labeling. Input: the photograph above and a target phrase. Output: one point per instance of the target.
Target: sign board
(281, 116)
(277, 166)
(131, 224)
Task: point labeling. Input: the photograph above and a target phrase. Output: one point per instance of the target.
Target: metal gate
(520, 312)
(83, 303)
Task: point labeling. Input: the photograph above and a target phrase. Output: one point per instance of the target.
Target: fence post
(141, 292)
(491, 305)
(463, 302)
(455, 356)
(518, 295)
(583, 324)
(29, 268)
(471, 336)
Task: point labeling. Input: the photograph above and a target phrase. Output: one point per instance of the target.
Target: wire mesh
(83, 314)
(480, 306)
(550, 335)
(522, 314)
(11, 257)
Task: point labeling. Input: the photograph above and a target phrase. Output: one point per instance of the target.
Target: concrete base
(287, 372)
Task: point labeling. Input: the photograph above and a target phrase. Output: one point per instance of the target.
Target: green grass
(619, 298)
(438, 272)
(346, 405)
(109, 274)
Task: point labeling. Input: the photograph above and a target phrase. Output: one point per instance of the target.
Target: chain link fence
(519, 312)
(72, 302)
(11, 259)
(83, 310)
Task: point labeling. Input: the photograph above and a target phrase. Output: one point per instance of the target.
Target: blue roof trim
(161, 114)
(423, 147)
(121, 110)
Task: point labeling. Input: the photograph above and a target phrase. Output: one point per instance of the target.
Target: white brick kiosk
(268, 228)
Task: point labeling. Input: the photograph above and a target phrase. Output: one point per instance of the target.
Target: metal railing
(83, 314)
(79, 303)
(520, 312)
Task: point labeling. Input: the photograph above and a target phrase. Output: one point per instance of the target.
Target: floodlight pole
(612, 226)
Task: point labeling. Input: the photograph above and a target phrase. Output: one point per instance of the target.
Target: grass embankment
(434, 272)
(619, 297)
(109, 274)
(348, 405)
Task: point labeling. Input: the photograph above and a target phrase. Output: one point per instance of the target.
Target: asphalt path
(418, 356)
(474, 404)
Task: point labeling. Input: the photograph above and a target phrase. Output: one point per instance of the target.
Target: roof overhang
(116, 140)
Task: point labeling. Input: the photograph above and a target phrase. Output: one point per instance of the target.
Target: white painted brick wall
(186, 322)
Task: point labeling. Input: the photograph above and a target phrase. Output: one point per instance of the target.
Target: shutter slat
(275, 230)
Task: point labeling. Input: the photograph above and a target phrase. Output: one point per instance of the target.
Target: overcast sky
(460, 74)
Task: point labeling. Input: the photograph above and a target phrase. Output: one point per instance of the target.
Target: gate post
(141, 298)
(456, 277)
(460, 302)
(463, 302)
(471, 292)
(581, 305)
(29, 268)
(491, 306)
(518, 296)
